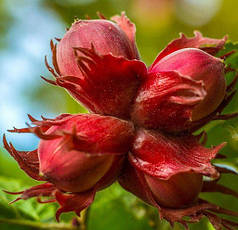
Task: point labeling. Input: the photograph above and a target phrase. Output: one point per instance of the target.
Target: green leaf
(28, 209)
(26, 214)
(230, 163)
(233, 59)
(116, 209)
(225, 201)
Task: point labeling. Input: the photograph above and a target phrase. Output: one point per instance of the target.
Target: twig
(39, 225)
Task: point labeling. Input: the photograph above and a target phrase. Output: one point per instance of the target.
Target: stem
(83, 219)
(39, 225)
(86, 217)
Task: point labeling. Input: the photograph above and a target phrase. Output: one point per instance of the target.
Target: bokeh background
(26, 27)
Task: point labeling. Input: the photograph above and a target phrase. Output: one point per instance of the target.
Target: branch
(39, 225)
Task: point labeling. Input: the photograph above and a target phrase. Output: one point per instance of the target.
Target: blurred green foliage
(6, 19)
(115, 208)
